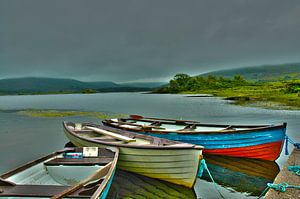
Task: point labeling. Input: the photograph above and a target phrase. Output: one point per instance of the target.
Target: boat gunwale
(109, 175)
(251, 128)
(173, 144)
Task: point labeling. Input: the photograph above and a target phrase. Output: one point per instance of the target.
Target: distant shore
(272, 95)
(268, 101)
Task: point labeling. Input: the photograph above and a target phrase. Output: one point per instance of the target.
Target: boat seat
(80, 161)
(155, 123)
(228, 128)
(190, 127)
(41, 191)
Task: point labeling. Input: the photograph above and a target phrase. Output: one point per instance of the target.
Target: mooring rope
(295, 169)
(289, 140)
(203, 166)
(281, 187)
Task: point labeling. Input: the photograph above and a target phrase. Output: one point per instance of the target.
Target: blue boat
(247, 141)
(72, 172)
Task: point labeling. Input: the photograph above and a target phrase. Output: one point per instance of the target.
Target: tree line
(184, 82)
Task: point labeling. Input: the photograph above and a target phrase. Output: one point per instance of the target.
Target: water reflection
(248, 176)
(131, 185)
(241, 174)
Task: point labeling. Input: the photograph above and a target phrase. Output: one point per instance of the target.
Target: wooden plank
(32, 190)
(80, 161)
(289, 177)
(114, 135)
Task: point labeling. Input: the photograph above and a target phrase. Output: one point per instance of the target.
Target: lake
(24, 138)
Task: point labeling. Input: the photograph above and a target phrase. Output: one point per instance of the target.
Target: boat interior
(144, 124)
(45, 178)
(118, 137)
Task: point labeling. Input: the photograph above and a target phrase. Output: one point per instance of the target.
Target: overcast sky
(130, 40)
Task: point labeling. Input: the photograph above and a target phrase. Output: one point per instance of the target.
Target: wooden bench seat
(79, 161)
(39, 191)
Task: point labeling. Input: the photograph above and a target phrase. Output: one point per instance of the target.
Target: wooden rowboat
(72, 172)
(249, 141)
(163, 159)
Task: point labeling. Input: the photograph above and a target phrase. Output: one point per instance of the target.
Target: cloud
(137, 39)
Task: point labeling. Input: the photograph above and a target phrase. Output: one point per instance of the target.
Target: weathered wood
(289, 177)
(80, 161)
(114, 135)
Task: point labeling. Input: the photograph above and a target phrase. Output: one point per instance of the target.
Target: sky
(139, 40)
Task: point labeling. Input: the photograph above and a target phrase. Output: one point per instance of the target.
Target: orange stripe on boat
(269, 151)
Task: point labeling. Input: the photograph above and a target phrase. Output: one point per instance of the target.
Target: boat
(159, 158)
(72, 172)
(241, 174)
(248, 141)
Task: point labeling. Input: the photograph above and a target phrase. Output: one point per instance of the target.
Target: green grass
(269, 95)
(61, 113)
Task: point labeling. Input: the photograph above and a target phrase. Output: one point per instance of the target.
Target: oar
(114, 135)
(95, 176)
(137, 125)
(139, 117)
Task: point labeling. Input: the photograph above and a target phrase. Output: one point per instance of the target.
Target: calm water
(24, 138)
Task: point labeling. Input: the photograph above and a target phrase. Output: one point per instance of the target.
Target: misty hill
(31, 85)
(262, 73)
(144, 84)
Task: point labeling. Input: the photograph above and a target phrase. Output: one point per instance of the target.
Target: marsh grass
(269, 95)
(63, 113)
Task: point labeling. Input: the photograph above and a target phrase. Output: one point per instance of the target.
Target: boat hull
(178, 166)
(261, 142)
(266, 145)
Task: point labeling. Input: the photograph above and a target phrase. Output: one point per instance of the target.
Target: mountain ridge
(40, 85)
(261, 73)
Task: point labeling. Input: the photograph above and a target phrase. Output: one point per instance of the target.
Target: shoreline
(283, 102)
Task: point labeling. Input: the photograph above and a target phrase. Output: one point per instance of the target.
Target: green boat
(72, 172)
(167, 160)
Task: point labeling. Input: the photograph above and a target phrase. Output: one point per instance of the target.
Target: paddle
(114, 135)
(145, 127)
(95, 176)
(139, 117)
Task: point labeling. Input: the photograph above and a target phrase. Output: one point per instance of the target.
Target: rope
(289, 140)
(203, 166)
(278, 187)
(264, 192)
(295, 169)
(281, 187)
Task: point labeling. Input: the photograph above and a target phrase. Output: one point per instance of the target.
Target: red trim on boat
(269, 151)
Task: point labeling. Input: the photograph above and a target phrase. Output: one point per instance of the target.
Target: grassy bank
(268, 95)
(275, 95)
(62, 113)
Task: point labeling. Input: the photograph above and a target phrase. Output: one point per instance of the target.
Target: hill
(37, 85)
(145, 84)
(262, 73)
